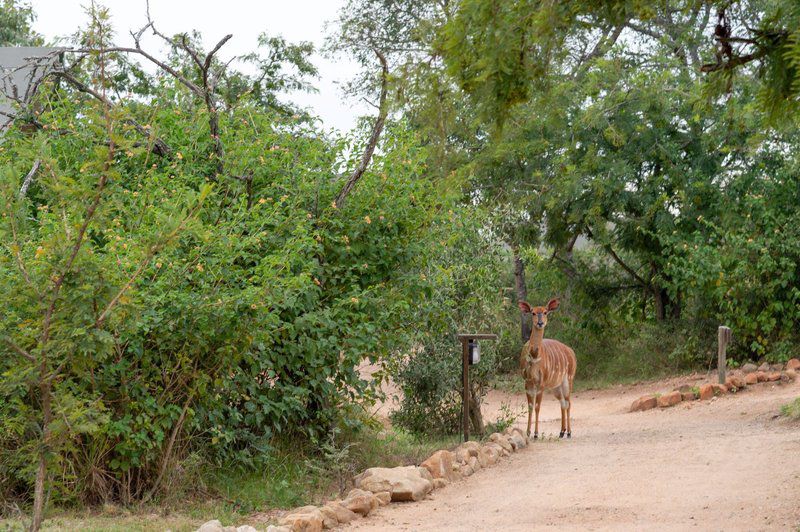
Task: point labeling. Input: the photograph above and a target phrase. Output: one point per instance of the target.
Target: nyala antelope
(546, 365)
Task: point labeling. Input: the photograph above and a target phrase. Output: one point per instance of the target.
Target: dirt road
(727, 464)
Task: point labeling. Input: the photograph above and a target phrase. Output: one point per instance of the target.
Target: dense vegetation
(192, 271)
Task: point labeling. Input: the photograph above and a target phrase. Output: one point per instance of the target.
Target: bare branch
(606, 41)
(184, 44)
(26, 183)
(734, 61)
(624, 266)
(137, 37)
(159, 146)
(643, 30)
(377, 128)
(124, 49)
(207, 64)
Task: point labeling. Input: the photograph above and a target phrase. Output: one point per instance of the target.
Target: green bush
(611, 339)
(241, 308)
(467, 294)
(744, 267)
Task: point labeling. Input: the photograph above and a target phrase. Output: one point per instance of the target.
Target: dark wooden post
(465, 387)
(465, 402)
(723, 338)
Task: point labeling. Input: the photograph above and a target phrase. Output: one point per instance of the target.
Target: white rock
(502, 441)
(304, 519)
(408, 483)
(211, 526)
(361, 501)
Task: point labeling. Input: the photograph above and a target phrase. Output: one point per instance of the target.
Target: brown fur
(547, 364)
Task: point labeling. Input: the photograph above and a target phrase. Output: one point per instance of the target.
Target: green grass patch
(792, 410)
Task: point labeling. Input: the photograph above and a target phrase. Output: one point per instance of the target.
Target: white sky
(297, 20)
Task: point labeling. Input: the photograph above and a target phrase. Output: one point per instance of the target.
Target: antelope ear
(552, 305)
(524, 307)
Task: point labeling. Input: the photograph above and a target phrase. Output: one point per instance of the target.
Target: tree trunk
(660, 304)
(41, 472)
(522, 295)
(475, 416)
(666, 307)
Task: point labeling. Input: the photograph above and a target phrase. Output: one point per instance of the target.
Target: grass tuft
(792, 410)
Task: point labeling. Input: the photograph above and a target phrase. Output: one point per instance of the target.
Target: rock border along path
(749, 375)
(379, 486)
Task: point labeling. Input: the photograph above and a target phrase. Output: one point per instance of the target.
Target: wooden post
(465, 400)
(465, 384)
(723, 338)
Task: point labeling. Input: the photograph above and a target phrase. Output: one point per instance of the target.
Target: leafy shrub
(743, 268)
(467, 295)
(605, 328)
(247, 304)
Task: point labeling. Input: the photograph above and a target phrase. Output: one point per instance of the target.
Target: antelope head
(539, 313)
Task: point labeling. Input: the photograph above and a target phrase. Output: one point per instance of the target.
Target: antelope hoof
(569, 435)
(561, 434)
(535, 435)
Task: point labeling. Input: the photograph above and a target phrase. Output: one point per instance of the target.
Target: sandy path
(728, 464)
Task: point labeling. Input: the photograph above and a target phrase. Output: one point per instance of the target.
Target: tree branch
(625, 266)
(23, 190)
(734, 62)
(377, 128)
(602, 46)
(142, 264)
(125, 49)
(19, 350)
(207, 63)
(619, 261)
(18, 256)
(163, 468)
(159, 146)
